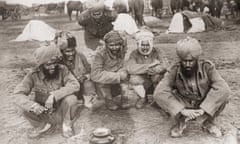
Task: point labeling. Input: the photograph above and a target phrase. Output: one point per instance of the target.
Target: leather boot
(88, 101)
(177, 130)
(211, 128)
(124, 102)
(140, 103)
(67, 130)
(111, 105)
(38, 132)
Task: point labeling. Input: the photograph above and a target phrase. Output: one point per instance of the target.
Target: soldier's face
(114, 47)
(69, 54)
(145, 48)
(188, 63)
(50, 66)
(97, 14)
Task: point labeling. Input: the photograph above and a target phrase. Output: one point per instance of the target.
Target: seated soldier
(146, 66)
(192, 90)
(108, 70)
(54, 87)
(77, 63)
(96, 21)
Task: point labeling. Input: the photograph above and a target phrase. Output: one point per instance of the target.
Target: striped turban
(113, 36)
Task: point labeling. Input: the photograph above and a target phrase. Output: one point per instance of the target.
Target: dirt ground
(145, 126)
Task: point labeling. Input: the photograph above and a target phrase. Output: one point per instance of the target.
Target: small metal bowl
(102, 132)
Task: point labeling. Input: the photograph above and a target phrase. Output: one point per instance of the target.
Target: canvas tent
(36, 30)
(124, 22)
(192, 22)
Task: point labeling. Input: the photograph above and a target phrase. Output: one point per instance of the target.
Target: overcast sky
(30, 2)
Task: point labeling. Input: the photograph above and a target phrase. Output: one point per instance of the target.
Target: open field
(145, 126)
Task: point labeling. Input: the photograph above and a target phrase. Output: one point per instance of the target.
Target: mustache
(53, 75)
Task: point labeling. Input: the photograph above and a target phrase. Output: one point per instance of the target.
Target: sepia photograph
(120, 71)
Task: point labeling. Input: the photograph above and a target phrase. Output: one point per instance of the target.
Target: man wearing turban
(192, 90)
(146, 66)
(53, 87)
(108, 70)
(97, 21)
(77, 63)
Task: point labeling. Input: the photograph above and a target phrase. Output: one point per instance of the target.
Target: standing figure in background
(96, 21)
(136, 7)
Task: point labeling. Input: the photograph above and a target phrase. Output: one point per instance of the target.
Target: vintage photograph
(120, 71)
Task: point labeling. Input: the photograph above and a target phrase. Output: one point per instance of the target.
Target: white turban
(144, 35)
(97, 6)
(189, 46)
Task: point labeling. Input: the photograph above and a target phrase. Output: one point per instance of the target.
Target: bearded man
(54, 101)
(146, 66)
(77, 63)
(192, 90)
(96, 21)
(108, 70)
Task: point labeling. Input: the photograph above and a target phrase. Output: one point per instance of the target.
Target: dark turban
(113, 36)
(65, 40)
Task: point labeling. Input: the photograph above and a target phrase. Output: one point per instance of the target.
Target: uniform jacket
(80, 67)
(213, 89)
(139, 64)
(105, 66)
(98, 29)
(63, 85)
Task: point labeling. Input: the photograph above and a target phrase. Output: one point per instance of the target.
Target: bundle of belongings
(193, 22)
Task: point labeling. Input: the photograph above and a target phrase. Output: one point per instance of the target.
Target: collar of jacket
(39, 72)
(199, 69)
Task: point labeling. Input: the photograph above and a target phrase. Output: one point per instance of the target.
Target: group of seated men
(63, 81)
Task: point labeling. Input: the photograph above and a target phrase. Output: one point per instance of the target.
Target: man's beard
(69, 58)
(189, 73)
(50, 76)
(115, 52)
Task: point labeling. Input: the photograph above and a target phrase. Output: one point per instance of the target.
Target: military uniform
(208, 91)
(138, 65)
(105, 72)
(81, 69)
(62, 87)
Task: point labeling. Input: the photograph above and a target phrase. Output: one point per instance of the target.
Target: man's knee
(157, 97)
(124, 86)
(136, 80)
(70, 100)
